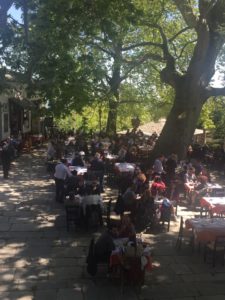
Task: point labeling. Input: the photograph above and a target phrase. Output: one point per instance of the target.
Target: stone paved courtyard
(40, 260)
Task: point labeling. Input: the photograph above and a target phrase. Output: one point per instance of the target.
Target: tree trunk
(178, 131)
(112, 118)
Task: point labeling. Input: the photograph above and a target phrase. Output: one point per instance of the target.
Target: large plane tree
(192, 86)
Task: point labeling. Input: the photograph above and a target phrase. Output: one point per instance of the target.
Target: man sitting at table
(78, 159)
(200, 190)
(130, 199)
(158, 165)
(72, 183)
(98, 168)
(190, 176)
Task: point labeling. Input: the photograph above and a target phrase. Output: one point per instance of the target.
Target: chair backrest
(93, 215)
(119, 207)
(165, 213)
(135, 273)
(108, 212)
(219, 242)
(181, 229)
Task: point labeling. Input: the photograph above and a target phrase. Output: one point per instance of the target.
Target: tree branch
(140, 61)
(211, 91)
(110, 53)
(185, 9)
(205, 6)
(133, 46)
(129, 101)
(185, 45)
(178, 33)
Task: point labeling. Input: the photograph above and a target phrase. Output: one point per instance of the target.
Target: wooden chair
(132, 272)
(184, 235)
(166, 216)
(204, 212)
(215, 248)
(73, 215)
(108, 213)
(93, 217)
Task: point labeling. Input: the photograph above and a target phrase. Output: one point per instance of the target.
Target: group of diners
(122, 250)
(127, 147)
(87, 162)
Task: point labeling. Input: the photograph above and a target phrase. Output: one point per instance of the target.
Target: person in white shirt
(158, 165)
(61, 173)
(51, 152)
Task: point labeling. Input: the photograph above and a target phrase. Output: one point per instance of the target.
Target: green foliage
(206, 120)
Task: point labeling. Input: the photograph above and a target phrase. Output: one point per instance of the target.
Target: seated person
(78, 159)
(122, 153)
(158, 186)
(126, 228)
(130, 198)
(72, 183)
(200, 189)
(190, 176)
(166, 210)
(146, 209)
(140, 181)
(94, 188)
(105, 245)
(81, 189)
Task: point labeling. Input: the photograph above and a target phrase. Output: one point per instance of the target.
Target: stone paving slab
(40, 260)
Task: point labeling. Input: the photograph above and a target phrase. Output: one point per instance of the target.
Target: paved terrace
(40, 260)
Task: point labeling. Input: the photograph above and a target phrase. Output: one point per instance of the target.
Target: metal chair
(166, 216)
(184, 235)
(215, 248)
(73, 215)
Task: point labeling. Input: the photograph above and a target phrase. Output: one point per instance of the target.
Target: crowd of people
(137, 190)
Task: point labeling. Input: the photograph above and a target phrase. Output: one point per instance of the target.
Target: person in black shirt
(105, 245)
(78, 159)
(98, 168)
(6, 156)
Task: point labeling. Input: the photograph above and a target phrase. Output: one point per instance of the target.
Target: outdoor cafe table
(206, 230)
(215, 204)
(79, 169)
(84, 201)
(124, 167)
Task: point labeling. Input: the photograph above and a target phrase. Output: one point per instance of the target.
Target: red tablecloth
(206, 230)
(214, 204)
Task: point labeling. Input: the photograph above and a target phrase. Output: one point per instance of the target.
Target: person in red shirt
(158, 186)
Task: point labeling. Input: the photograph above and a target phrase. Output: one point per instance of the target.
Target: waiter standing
(61, 173)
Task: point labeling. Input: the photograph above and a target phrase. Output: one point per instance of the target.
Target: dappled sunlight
(37, 253)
